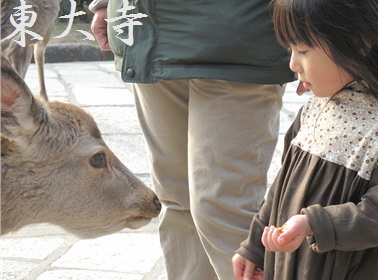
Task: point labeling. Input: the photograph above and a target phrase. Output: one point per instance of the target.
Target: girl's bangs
(292, 23)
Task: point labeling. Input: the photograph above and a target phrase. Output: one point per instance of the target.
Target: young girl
(320, 219)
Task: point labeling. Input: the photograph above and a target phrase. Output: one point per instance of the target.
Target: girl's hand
(245, 270)
(296, 230)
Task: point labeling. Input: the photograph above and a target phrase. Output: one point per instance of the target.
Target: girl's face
(317, 71)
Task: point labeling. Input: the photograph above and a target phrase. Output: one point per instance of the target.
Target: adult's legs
(163, 114)
(233, 130)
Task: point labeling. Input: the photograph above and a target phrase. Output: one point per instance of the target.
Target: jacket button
(130, 73)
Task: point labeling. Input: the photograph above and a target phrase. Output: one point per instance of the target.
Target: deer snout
(157, 204)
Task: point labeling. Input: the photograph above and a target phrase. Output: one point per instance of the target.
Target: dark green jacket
(213, 39)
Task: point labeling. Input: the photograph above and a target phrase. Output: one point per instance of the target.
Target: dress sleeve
(252, 248)
(346, 227)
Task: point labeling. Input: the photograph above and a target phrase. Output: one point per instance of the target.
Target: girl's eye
(98, 160)
(302, 52)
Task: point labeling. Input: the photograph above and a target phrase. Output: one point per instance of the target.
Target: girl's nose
(294, 64)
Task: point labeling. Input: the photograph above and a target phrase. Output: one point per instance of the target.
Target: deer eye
(98, 160)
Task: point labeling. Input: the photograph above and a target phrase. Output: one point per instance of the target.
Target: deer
(20, 56)
(56, 168)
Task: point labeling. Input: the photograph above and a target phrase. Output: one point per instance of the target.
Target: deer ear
(19, 111)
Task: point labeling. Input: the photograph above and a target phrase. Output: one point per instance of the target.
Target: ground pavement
(46, 252)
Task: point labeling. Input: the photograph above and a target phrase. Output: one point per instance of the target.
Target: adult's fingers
(99, 28)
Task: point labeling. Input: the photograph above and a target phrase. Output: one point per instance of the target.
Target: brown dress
(330, 174)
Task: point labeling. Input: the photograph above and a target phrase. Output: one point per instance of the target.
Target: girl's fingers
(275, 236)
(268, 238)
(258, 275)
(272, 239)
(249, 271)
(264, 238)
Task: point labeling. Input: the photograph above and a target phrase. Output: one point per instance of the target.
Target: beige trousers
(210, 144)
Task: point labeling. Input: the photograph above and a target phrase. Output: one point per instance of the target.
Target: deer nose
(157, 204)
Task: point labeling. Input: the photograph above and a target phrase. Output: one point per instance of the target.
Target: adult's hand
(99, 28)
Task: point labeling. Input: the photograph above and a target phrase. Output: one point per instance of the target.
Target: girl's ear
(20, 112)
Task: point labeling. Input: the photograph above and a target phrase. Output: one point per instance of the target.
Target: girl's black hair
(346, 29)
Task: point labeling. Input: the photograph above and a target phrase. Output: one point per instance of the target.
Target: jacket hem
(234, 73)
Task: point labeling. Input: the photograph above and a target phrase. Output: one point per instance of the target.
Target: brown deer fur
(56, 168)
